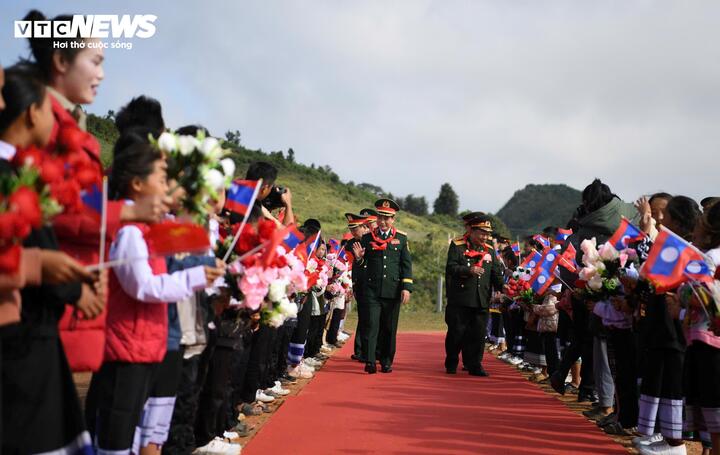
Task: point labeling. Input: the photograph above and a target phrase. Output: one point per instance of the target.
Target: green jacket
(467, 289)
(389, 271)
(602, 224)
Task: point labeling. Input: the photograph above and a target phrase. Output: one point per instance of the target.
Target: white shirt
(7, 151)
(137, 278)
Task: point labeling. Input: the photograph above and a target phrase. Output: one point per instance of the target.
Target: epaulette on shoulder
(459, 241)
(401, 232)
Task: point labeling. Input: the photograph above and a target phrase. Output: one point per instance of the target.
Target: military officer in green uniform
(472, 272)
(357, 225)
(386, 258)
(370, 217)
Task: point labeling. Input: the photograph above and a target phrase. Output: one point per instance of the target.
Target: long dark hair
(596, 195)
(136, 160)
(42, 48)
(22, 89)
(684, 213)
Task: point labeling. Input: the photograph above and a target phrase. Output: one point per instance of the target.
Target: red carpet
(418, 409)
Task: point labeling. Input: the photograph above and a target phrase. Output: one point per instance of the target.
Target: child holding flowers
(137, 324)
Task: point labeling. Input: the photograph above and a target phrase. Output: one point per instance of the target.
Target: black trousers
(269, 363)
(181, 439)
(383, 317)
(581, 345)
(624, 343)
(332, 332)
(300, 334)
(361, 330)
(259, 350)
(120, 390)
(215, 396)
(467, 330)
(549, 343)
(315, 333)
(278, 359)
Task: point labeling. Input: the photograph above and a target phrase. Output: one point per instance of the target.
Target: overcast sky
(488, 96)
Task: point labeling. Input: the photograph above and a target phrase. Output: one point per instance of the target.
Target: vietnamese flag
(169, 238)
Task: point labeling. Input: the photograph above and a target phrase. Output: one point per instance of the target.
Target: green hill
(537, 206)
(319, 193)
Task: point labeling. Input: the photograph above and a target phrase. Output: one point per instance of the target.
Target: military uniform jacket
(467, 289)
(388, 271)
(358, 268)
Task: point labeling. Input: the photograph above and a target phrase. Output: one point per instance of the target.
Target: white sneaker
(640, 441)
(299, 373)
(305, 367)
(261, 396)
(662, 448)
(503, 356)
(343, 337)
(536, 371)
(312, 362)
(219, 447)
(516, 361)
(277, 389)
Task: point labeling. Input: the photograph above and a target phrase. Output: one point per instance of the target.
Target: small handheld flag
(532, 260)
(516, 248)
(169, 237)
(543, 276)
(672, 261)
(625, 234)
(567, 259)
(542, 240)
(293, 237)
(92, 200)
(563, 234)
(239, 197)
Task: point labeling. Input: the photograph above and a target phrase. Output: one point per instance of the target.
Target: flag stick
(103, 221)
(557, 275)
(244, 221)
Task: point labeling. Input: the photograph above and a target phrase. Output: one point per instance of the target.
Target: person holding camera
(271, 196)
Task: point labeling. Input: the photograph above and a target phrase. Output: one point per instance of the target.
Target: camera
(273, 200)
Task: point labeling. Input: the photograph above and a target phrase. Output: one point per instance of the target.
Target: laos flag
(542, 240)
(333, 246)
(625, 234)
(567, 259)
(543, 276)
(563, 234)
(92, 200)
(293, 238)
(672, 261)
(241, 195)
(516, 248)
(532, 260)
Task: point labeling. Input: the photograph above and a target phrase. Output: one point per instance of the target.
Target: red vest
(136, 331)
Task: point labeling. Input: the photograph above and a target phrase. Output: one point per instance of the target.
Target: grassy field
(410, 321)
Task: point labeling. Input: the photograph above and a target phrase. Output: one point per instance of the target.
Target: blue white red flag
(625, 234)
(672, 261)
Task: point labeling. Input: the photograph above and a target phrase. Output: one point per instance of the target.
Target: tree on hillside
(447, 201)
(233, 137)
(415, 205)
(376, 190)
(291, 155)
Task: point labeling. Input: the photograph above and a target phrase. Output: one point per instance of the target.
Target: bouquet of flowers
(603, 269)
(25, 204)
(200, 166)
(518, 287)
